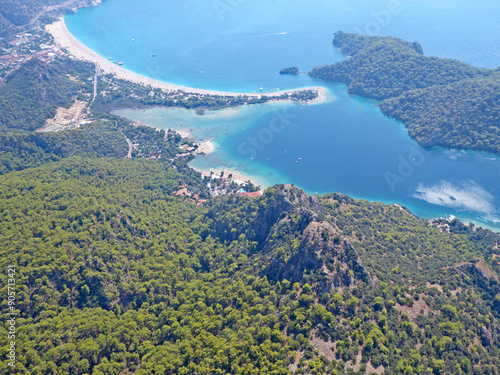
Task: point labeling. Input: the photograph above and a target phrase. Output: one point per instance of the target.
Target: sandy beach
(205, 147)
(65, 40)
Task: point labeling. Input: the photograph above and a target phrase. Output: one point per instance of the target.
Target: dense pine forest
(443, 102)
(115, 274)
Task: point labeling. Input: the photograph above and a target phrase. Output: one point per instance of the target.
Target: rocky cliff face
(294, 239)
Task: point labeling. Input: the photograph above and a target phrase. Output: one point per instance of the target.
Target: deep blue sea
(345, 145)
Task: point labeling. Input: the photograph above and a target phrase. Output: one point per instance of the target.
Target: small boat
(109, 58)
(262, 88)
(153, 55)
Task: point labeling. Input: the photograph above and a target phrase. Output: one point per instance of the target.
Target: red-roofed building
(255, 194)
(181, 192)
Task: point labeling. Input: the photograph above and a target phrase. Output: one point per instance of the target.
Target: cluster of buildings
(226, 184)
(20, 49)
(189, 151)
(193, 197)
(218, 185)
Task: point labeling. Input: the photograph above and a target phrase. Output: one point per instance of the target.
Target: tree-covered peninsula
(443, 102)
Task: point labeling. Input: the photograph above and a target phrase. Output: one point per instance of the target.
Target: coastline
(207, 147)
(66, 40)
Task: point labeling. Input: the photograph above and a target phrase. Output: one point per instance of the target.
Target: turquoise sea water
(345, 145)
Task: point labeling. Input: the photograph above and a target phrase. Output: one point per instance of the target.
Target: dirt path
(130, 147)
(96, 77)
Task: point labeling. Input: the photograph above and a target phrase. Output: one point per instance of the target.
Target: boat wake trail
(271, 34)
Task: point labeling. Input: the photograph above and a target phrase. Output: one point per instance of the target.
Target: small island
(292, 70)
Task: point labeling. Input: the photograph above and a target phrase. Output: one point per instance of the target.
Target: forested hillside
(443, 102)
(351, 44)
(21, 12)
(16, 14)
(463, 115)
(35, 91)
(22, 150)
(115, 274)
(386, 67)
